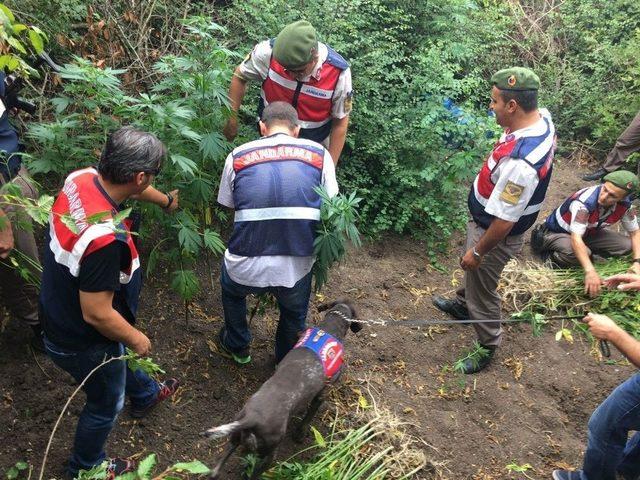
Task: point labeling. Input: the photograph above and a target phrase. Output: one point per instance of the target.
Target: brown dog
(297, 385)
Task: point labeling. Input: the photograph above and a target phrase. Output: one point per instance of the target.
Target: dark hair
(280, 113)
(527, 99)
(129, 151)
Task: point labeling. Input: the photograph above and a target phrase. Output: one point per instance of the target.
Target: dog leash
(603, 344)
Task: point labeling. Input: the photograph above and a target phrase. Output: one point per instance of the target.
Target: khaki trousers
(479, 291)
(626, 144)
(20, 297)
(605, 243)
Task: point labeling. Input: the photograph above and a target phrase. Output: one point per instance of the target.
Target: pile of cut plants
(536, 292)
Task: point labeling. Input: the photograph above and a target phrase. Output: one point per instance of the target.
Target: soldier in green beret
(578, 228)
(298, 69)
(504, 203)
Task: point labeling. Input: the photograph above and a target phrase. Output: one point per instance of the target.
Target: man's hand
(601, 326)
(175, 204)
(592, 283)
(624, 281)
(6, 236)
(469, 261)
(141, 344)
(230, 130)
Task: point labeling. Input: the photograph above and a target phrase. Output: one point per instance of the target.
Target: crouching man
(578, 228)
(270, 183)
(90, 287)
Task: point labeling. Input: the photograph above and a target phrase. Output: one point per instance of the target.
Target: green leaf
(195, 467)
(185, 283)
(17, 44)
(185, 164)
(12, 473)
(7, 12)
(319, 439)
(36, 41)
(22, 465)
(146, 466)
(189, 239)
(213, 241)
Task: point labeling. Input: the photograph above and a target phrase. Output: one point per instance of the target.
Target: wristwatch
(476, 255)
(169, 200)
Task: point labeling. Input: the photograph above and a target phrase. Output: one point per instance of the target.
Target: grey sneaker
(566, 475)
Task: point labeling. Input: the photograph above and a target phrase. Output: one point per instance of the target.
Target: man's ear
(139, 179)
(512, 106)
(296, 131)
(263, 128)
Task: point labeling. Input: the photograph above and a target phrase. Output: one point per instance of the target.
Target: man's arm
(497, 231)
(337, 137)
(97, 310)
(237, 90)
(592, 281)
(603, 328)
(155, 196)
(6, 236)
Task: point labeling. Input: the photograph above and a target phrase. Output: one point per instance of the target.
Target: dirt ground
(472, 427)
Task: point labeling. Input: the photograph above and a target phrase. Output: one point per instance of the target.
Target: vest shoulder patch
(335, 59)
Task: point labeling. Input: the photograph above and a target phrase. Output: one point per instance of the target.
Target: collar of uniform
(535, 130)
(97, 183)
(323, 53)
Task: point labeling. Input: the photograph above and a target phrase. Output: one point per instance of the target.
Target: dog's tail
(223, 430)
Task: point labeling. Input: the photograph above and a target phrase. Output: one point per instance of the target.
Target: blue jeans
(609, 450)
(293, 303)
(105, 392)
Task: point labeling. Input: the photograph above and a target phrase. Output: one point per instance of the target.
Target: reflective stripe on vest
(276, 206)
(312, 99)
(538, 152)
(560, 219)
(81, 199)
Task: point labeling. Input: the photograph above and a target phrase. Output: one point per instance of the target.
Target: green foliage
(185, 107)
(406, 155)
(337, 226)
(17, 41)
(147, 365)
(147, 470)
(16, 471)
(475, 354)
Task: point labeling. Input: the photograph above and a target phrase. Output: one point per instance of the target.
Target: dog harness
(327, 348)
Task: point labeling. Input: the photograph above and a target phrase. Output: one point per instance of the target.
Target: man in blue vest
(270, 183)
(504, 203)
(297, 69)
(578, 228)
(16, 230)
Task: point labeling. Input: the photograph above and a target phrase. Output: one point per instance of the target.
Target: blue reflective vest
(276, 206)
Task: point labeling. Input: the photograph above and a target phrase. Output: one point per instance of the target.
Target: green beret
(295, 45)
(516, 78)
(623, 179)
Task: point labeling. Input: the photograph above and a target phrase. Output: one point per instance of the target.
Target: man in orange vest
(297, 69)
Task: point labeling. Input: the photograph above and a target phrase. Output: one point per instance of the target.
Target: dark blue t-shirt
(63, 322)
